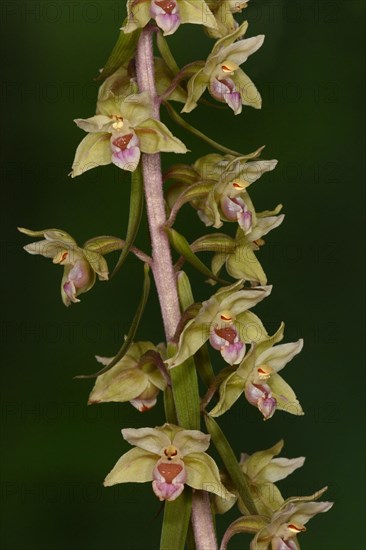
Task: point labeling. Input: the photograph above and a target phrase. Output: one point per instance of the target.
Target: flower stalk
(162, 266)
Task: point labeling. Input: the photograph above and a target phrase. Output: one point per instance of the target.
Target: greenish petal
(150, 439)
(264, 226)
(230, 38)
(284, 394)
(98, 263)
(192, 338)
(155, 137)
(278, 356)
(252, 465)
(230, 391)
(135, 466)
(243, 264)
(94, 150)
(94, 124)
(103, 245)
(196, 87)
(118, 386)
(250, 327)
(248, 91)
(138, 15)
(191, 441)
(239, 51)
(196, 12)
(136, 108)
(279, 468)
(203, 474)
(245, 299)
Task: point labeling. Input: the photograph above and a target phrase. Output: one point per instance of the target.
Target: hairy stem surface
(162, 266)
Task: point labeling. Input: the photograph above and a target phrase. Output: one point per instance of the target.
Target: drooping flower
(242, 263)
(119, 132)
(289, 521)
(131, 379)
(168, 14)
(225, 321)
(261, 471)
(81, 264)
(257, 377)
(222, 75)
(170, 457)
(227, 198)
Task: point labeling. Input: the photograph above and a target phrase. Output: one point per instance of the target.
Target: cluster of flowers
(123, 128)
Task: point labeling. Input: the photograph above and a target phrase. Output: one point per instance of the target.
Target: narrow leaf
(204, 365)
(166, 53)
(122, 52)
(184, 377)
(131, 333)
(135, 215)
(179, 120)
(176, 521)
(181, 245)
(169, 407)
(229, 459)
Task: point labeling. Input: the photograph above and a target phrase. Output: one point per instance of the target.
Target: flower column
(162, 266)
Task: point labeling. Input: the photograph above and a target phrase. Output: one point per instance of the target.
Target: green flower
(225, 321)
(224, 11)
(119, 132)
(222, 75)
(257, 377)
(262, 471)
(81, 264)
(130, 379)
(170, 457)
(168, 14)
(281, 531)
(242, 263)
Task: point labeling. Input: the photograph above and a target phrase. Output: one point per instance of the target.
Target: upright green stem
(162, 266)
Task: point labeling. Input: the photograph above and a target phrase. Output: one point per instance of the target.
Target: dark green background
(56, 451)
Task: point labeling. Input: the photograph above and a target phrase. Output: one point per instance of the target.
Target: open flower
(228, 179)
(242, 263)
(225, 321)
(131, 379)
(261, 471)
(81, 264)
(119, 132)
(168, 14)
(170, 457)
(288, 522)
(222, 75)
(257, 377)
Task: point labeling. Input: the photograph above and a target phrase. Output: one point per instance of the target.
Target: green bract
(222, 76)
(170, 457)
(168, 14)
(226, 321)
(122, 129)
(130, 379)
(257, 376)
(81, 264)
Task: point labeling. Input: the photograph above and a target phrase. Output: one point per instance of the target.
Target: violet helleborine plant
(126, 131)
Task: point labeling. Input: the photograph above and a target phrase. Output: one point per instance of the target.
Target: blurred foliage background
(56, 450)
